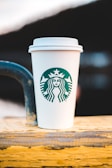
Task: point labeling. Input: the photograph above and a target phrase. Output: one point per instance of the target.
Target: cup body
(55, 72)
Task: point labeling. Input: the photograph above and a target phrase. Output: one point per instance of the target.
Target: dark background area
(91, 25)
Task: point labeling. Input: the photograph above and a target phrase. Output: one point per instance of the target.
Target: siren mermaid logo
(56, 84)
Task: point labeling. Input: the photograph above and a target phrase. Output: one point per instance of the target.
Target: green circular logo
(56, 84)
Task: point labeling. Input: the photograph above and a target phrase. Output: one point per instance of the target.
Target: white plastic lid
(55, 43)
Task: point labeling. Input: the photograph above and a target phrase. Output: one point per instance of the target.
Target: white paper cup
(55, 63)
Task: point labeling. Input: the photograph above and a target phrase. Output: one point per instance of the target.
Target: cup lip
(55, 43)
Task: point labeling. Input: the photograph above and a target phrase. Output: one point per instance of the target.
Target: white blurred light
(15, 14)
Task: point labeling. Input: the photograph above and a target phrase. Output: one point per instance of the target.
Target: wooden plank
(78, 157)
(87, 131)
(57, 140)
(87, 144)
(89, 123)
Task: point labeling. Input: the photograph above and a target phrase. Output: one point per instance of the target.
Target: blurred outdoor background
(91, 25)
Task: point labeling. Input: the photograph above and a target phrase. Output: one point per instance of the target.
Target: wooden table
(87, 144)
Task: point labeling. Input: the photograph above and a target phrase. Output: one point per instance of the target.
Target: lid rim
(55, 43)
(78, 48)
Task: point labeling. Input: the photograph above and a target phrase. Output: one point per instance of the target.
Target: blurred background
(91, 25)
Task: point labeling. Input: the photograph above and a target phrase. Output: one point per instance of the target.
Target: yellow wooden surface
(44, 156)
(87, 144)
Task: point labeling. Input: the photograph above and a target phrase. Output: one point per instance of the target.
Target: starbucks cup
(55, 63)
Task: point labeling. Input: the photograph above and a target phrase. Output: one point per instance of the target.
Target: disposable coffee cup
(55, 64)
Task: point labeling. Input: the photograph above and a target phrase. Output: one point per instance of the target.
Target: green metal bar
(25, 78)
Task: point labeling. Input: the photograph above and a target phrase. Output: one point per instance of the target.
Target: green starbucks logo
(56, 84)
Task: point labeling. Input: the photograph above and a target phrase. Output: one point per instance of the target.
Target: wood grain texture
(20, 156)
(87, 144)
(57, 140)
(90, 123)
